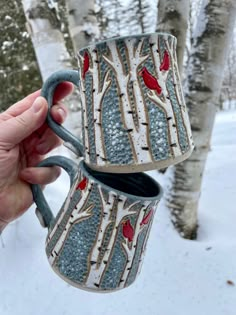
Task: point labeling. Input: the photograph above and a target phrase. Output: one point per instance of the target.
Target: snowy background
(179, 277)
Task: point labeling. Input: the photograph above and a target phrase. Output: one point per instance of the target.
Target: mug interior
(136, 184)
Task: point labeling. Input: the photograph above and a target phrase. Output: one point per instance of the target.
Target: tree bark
(211, 42)
(47, 38)
(45, 29)
(82, 22)
(173, 18)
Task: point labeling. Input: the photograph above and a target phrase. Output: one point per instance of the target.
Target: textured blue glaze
(158, 127)
(74, 257)
(48, 91)
(61, 227)
(118, 150)
(183, 140)
(137, 257)
(113, 274)
(116, 267)
(158, 132)
(90, 117)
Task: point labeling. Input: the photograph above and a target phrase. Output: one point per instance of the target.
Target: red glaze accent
(82, 184)
(86, 64)
(165, 65)
(128, 230)
(147, 218)
(150, 81)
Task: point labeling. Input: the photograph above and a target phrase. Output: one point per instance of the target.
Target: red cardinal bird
(128, 230)
(165, 65)
(82, 184)
(86, 64)
(149, 80)
(147, 218)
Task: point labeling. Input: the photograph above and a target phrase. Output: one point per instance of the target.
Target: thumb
(16, 129)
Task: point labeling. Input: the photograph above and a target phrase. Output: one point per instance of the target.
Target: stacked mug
(134, 119)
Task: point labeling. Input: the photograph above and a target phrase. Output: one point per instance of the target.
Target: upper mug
(134, 117)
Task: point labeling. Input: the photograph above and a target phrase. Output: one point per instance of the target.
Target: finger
(47, 142)
(16, 129)
(33, 158)
(41, 176)
(59, 113)
(62, 90)
(23, 105)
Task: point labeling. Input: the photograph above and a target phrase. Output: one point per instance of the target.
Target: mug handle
(43, 211)
(47, 92)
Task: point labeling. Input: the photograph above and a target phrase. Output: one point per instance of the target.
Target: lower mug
(98, 239)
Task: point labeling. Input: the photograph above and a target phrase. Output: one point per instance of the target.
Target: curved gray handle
(44, 212)
(47, 91)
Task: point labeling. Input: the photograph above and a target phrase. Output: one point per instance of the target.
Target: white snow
(179, 277)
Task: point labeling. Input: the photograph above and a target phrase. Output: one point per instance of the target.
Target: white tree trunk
(51, 51)
(211, 42)
(82, 22)
(173, 18)
(48, 41)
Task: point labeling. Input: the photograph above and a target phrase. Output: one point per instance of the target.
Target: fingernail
(57, 171)
(62, 112)
(37, 105)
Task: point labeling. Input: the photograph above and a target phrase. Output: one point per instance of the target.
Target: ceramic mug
(98, 238)
(133, 112)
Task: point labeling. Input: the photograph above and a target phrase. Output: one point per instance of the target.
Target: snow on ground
(179, 277)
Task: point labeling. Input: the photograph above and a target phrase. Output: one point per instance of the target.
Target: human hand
(24, 140)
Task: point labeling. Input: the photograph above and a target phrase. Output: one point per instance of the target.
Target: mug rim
(83, 166)
(116, 38)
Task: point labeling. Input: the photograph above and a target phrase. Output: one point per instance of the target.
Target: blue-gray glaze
(90, 118)
(113, 274)
(183, 140)
(73, 259)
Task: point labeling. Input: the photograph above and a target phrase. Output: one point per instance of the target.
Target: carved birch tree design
(130, 244)
(163, 101)
(120, 70)
(138, 134)
(80, 212)
(93, 227)
(177, 83)
(96, 271)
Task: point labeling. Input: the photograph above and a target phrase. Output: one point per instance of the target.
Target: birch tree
(49, 45)
(173, 18)
(211, 42)
(83, 24)
(44, 26)
(228, 91)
